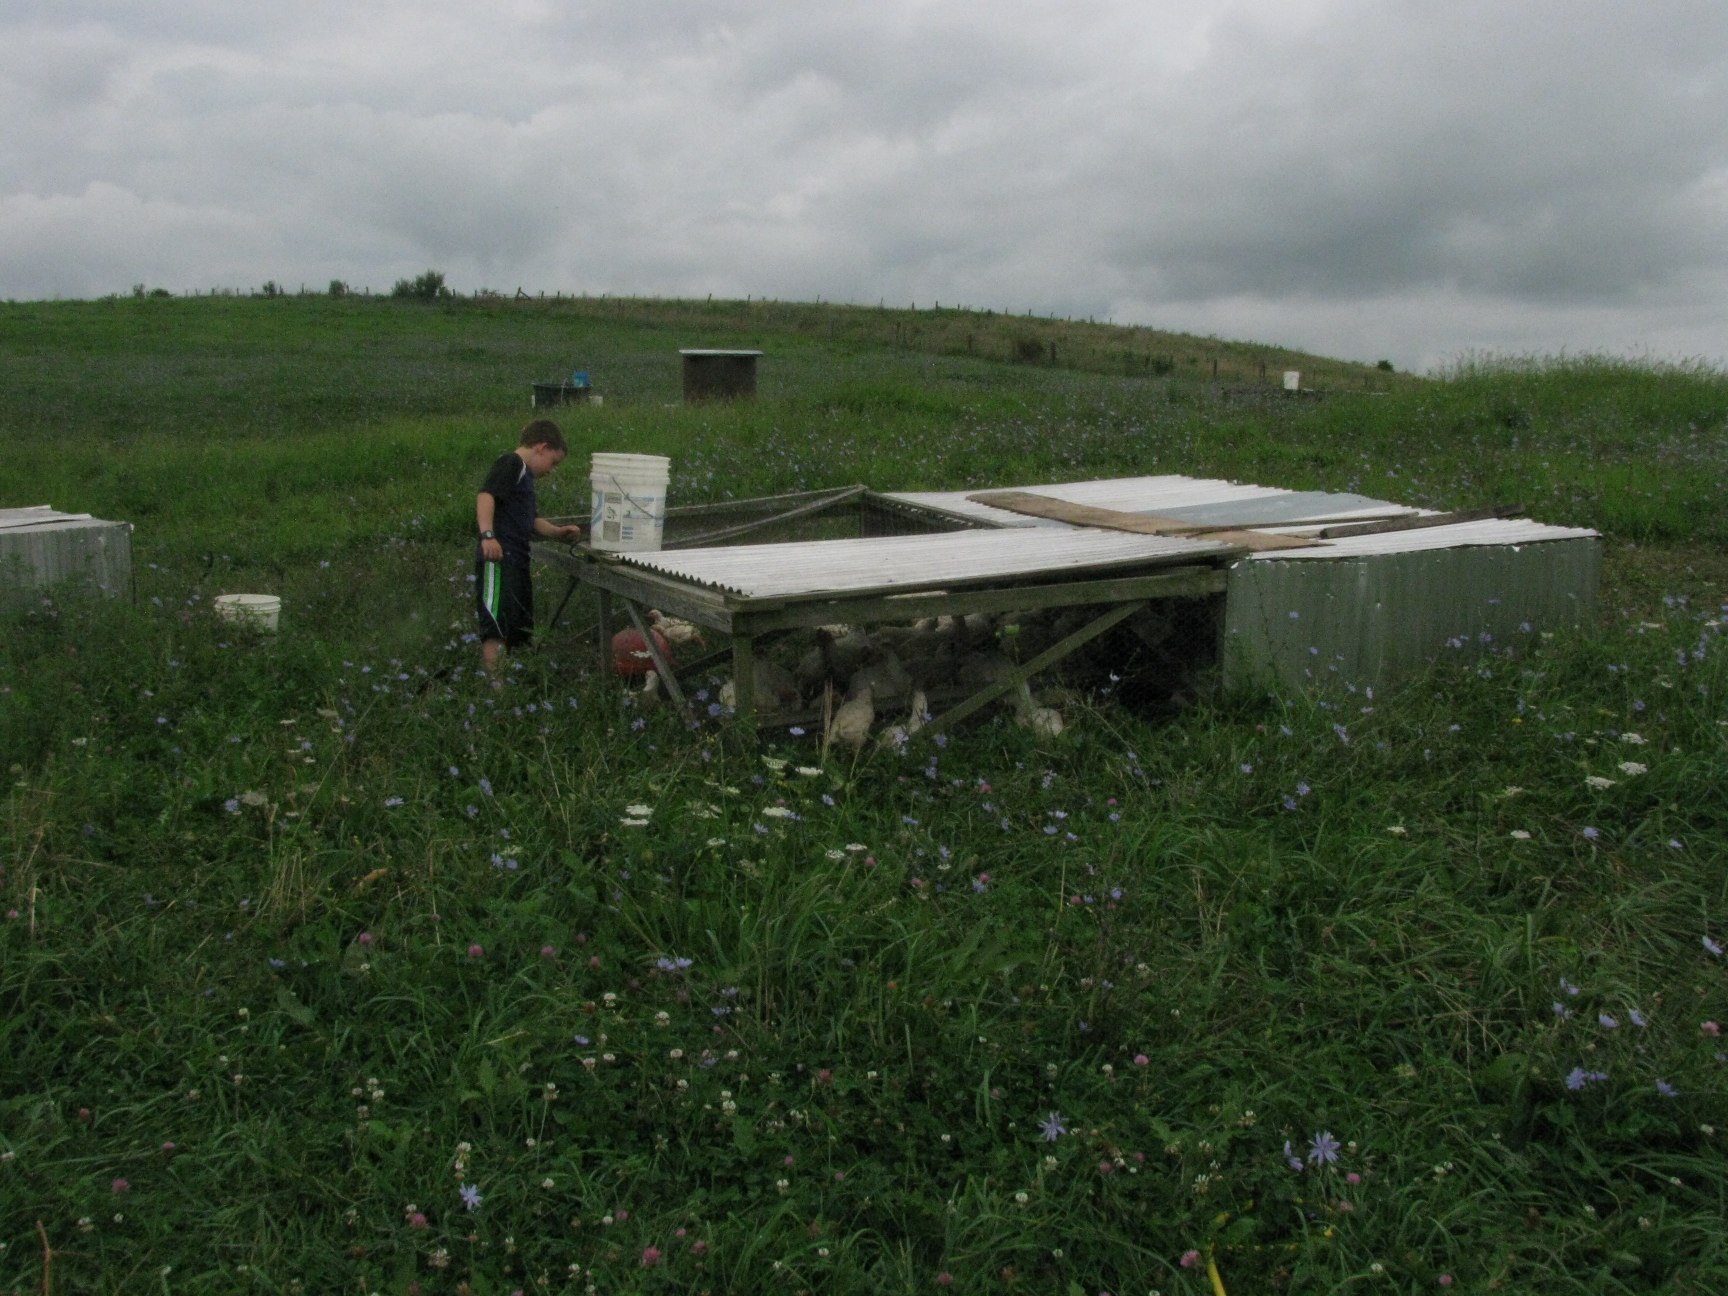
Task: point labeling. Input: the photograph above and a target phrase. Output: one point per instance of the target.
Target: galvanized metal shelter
(42, 547)
(1383, 590)
(1310, 584)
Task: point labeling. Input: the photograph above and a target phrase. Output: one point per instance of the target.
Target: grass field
(325, 967)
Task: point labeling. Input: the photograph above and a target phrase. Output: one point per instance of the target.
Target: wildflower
(1323, 1149)
(1711, 1029)
(1190, 1259)
(476, 951)
(1590, 834)
(1666, 1090)
(417, 1220)
(1561, 1010)
(471, 1197)
(120, 1186)
(390, 803)
(1607, 1022)
(1598, 782)
(1053, 1127)
(1518, 834)
(1575, 1079)
(650, 1257)
(638, 811)
(1290, 1157)
(1636, 1018)
(1713, 947)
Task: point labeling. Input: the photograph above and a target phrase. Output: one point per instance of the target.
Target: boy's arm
(484, 509)
(552, 531)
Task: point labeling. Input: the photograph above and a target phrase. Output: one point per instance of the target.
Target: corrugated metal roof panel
(1511, 532)
(39, 515)
(1204, 500)
(916, 562)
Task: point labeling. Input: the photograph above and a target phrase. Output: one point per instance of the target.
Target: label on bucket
(628, 501)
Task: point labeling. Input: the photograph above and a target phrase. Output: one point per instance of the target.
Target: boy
(508, 518)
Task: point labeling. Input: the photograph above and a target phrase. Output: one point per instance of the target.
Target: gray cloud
(1357, 177)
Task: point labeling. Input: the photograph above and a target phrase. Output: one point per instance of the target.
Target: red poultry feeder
(630, 654)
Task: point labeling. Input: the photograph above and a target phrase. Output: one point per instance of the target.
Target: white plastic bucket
(259, 611)
(628, 494)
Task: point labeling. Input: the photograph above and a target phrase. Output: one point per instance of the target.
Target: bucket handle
(635, 503)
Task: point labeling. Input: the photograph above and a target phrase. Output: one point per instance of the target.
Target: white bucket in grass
(258, 611)
(628, 492)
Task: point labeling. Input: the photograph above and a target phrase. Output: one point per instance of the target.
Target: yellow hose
(1212, 1273)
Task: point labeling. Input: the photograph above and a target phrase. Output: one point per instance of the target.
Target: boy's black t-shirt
(512, 485)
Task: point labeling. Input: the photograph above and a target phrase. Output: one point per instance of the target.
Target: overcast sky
(1366, 179)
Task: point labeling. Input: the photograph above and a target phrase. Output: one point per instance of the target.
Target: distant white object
(1292, 380)
(259, 611)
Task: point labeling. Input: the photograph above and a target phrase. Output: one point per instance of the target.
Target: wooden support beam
(1055, 653)
(875, 606)
(668, 680)
(604, 633)
(744, 686)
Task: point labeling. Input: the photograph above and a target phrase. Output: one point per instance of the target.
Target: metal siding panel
(67, 549)
(1370, 619)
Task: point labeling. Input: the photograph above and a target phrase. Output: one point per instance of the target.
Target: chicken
(678, 632)
(884, 676)
(850, 725)
(1044, 721)
(896, 736)
(775, 689)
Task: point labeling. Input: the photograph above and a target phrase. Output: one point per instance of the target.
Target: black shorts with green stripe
(504, 602)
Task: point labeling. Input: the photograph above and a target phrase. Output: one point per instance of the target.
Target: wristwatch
(488, 535)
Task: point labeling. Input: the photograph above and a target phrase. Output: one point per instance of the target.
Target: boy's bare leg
(490, 651)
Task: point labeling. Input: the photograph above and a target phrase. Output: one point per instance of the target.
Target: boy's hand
(571, 532)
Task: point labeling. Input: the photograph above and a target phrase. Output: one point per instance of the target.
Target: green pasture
(326, 966)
